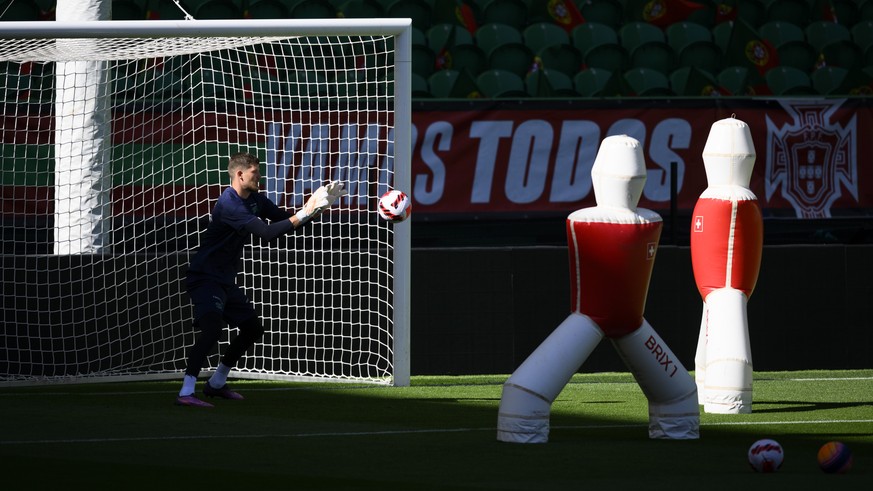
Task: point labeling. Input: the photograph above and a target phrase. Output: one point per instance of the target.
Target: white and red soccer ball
(395, 206)
(766, 455)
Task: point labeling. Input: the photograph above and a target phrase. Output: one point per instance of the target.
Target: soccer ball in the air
(834, 458)
(395, 206)
(766, 455)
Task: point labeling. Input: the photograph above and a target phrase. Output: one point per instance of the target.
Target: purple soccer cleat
(191, 401)
(224, 392)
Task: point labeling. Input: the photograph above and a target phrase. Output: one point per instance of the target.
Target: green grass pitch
(437, 434)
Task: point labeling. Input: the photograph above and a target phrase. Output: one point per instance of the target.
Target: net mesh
(311, 108)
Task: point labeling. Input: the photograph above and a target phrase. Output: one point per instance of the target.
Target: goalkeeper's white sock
(188, 384)
(219, 378)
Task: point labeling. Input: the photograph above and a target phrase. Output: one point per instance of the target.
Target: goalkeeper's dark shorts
(227, 300)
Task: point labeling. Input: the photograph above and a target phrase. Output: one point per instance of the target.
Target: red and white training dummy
(726, 242)
(612, 250)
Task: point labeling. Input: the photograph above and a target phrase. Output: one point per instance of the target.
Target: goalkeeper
(240, 212)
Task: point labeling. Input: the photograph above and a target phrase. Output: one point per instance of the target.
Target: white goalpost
(115, 137)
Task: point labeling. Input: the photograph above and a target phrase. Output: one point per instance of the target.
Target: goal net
(115, 140)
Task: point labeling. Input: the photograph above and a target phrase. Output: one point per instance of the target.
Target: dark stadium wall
(479, 311)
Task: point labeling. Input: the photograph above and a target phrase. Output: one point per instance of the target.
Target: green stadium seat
(862, 34)
(497, 84)
(868, 57)
(784, 80)
(705, 55)
(721, 35)
(544, 34)
(735, 80)
(779, 32)
(442, 82)
(218, 9)
(656, 55)
(562, 58)
(844, 54)
(645, 82)
(493, 35)
(443, 35)
(420, 87)
(821, 33)
(592, 34)
(267, 9)
(468, 57)
(549, 83)
(167, 10)
(606, 12)
(423, 60)
(313, 9)
(681, 34)
(847, 11)
(362, 9)
(865, 10)
(798, 12)
(692, 82)
(418, 36)
(753, 12)
(509, 12)
(633, 34)
(595, 82)
(610, 57)
(797, 54)
(419, 11)
(828, 80)
(514, 57)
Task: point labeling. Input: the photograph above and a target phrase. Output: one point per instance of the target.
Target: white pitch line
(399, 432)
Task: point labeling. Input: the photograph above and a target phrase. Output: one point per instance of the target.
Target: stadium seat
(514, 57)
(692, 82)
(418, 36)
(721, 35)
(784, 80)
(821, 33)
(591, 34)
(779, 32)
(594, 82)
(606, 12)
(868, 57)
(828, 80)
(492, 35)
(681, 34)
(268, 9)
(562, 58)
(549, 83)
(705, 55)
(423, 60)
(167, 10)
(442, 82)
(634, 34)
(862, 34)
(500, 84)
(509, 12)
(127, 10)
(844, 54)
(420, 87)
(798, 12)
(419, 11)
(656, 55)
(865, 10)
(752, 12)
(544, 34)
(797, 54)
(735, 80)
(846, 11)
(645, 82)
(447, 35)
(313, 9)
(218, 9)
(362, 9)
(468, 57)
(610, 57)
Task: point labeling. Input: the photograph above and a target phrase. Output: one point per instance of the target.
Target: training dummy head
(619, 172)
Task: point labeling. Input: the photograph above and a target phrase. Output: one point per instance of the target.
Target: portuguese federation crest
(811, 159)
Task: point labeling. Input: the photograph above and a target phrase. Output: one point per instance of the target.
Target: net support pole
(402, 180)
(82, 143)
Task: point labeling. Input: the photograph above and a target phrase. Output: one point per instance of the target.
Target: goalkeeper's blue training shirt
(232, 222)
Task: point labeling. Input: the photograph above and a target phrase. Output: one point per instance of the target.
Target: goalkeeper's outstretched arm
(323, 198)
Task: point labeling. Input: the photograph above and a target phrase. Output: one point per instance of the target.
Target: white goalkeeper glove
(323, 198)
